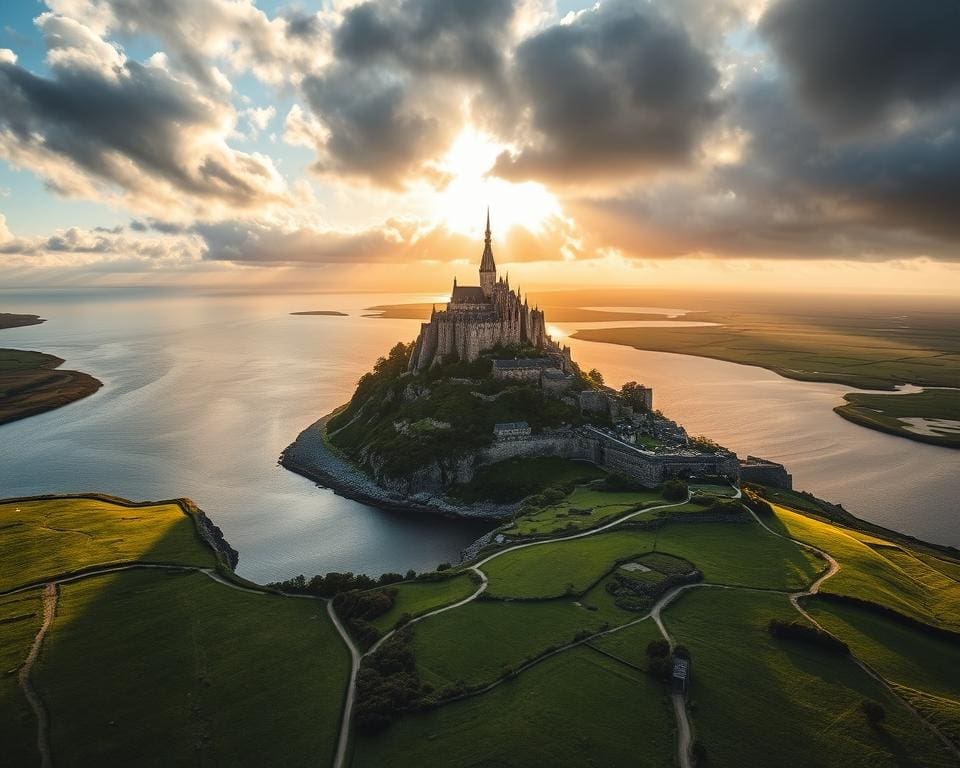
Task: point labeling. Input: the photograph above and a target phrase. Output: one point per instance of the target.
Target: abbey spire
(488, 268)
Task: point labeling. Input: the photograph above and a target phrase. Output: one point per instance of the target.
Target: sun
(460, 204)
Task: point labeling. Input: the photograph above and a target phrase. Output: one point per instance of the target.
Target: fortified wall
(589, 444)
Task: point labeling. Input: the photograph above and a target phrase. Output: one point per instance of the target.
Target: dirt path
(339, 760)
(33, 698)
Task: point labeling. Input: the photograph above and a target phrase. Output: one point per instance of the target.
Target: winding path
(33, 698)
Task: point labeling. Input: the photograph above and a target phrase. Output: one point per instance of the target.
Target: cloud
(617, 91)
(394, 241)
(854, 63)
(277, 50)
(403, 71)
(104, 126)
(794, 193)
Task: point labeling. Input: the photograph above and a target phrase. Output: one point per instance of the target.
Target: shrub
(674, 490)
(681, 652)
(443, 567)
(658, 649)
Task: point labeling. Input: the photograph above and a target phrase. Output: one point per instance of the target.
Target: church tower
(488, 269)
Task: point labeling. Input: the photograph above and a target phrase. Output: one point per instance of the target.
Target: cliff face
(423, 432)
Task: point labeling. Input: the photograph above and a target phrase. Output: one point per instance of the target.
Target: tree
(874, 712)
(595, 377)
(674, 490)
(681, 652)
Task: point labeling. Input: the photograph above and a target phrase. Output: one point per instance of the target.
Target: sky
(772, 145)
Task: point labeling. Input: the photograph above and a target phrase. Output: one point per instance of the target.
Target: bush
(681, 652)
(443, 567)
(874, 712)
(658, 649)
(674, 490)
(794, 630)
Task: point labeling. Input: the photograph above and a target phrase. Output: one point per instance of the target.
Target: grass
(419, 597)
(178, 669)
(32, 382)
(888, 575)
(515, 479)
(888, 412)
(630, 644)
(44, 538)
(478, 641)
(902, 654)
(577, 709)
(741, 554)
(20, 617)
(760, 701)
(600, 507)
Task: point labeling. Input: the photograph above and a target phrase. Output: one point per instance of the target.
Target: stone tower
(488, 268)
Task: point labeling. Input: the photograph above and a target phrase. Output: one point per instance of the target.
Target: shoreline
(309, 456)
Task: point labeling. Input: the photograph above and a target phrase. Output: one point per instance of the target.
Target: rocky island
(446, 422)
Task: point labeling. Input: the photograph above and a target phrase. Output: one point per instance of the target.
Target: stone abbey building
(478, 318)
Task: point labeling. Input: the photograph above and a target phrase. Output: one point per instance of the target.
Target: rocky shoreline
(310, 456)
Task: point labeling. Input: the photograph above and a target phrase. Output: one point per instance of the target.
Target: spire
(487, 263)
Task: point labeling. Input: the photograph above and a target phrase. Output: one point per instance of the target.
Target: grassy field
(48, 537)
(20, 617)
(583, 508)
(760, 701)
(32, 382)
(418, 597)
(477, 642)
(630, 644)
(514, 479)
(741, 554)
(175, 668)
(900, 653)
(881, 572)
(887, 413)
(579, 709)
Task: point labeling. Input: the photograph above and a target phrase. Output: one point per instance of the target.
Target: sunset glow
(460, 204)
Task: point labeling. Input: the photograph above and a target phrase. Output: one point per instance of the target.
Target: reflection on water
(202, 393)
(912, 487)
(200, 396)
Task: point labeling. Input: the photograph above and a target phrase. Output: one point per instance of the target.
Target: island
(645, 597)
(322, 312)
(33, 382)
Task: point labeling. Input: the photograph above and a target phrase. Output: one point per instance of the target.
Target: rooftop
(468, 294)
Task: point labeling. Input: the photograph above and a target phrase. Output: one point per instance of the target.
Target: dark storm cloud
(853, 61)
(391, 100)
(795, 193)
(619, 90)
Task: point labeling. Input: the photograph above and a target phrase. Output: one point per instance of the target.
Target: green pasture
(419, 597)
(20, 617)
(475, 643)
(887, 412)
(900, 653)
(173, 668)
(728, 553)
(49, 537)
(630, 643)
(878, 571)
(583, 508)
(756, 700)
(578, 709)
(514, 479)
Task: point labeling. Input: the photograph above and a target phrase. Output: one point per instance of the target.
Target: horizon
(287, 147)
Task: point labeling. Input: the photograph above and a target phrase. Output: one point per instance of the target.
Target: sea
(202, 392)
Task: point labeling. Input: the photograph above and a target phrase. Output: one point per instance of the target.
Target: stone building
(512, 430)
(478, 318)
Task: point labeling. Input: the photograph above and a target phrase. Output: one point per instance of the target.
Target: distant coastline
(323, 312)
(33, 382)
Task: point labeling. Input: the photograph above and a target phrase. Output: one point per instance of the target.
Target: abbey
(478, 318)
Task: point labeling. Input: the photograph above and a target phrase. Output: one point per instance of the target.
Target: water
(911, 487)
(201, 394)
